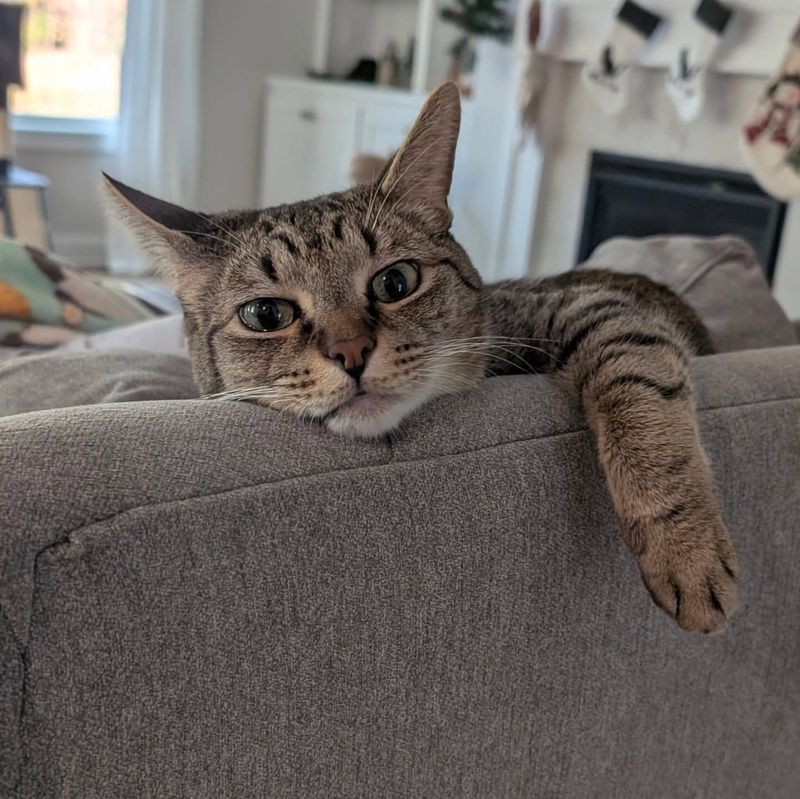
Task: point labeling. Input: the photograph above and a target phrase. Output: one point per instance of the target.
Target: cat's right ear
(177, 237)
(420, 173)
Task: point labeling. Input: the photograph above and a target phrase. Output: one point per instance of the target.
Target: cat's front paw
(691, 575)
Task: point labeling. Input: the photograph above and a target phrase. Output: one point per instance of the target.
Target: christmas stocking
(606, 76)
(771, 137)
(687, 75)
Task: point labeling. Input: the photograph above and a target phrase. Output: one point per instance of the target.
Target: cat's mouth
(370, 414)
(366, 404)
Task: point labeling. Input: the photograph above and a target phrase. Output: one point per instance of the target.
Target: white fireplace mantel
(756, 38)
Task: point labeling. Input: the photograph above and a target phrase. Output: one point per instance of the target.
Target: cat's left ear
(421, 172)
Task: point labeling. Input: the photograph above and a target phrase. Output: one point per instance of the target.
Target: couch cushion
(65, 379)
(213, 599)
(719, 277)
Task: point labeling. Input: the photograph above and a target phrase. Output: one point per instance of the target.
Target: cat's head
(353, 309)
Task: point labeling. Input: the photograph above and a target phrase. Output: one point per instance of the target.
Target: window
(71, 68)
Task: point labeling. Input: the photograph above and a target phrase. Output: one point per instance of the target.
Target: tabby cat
(356, 308)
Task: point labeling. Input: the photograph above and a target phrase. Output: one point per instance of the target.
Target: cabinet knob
(308, 115)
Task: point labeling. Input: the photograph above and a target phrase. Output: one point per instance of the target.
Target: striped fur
(622, 343)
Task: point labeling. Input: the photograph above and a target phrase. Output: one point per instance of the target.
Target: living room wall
(73, 200)
(243, 40)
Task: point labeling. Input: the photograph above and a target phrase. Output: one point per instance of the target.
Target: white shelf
(420, 26)
(335, 88)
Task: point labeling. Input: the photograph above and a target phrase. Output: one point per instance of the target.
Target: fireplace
(636, 198)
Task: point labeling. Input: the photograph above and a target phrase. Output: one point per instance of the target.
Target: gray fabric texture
(212, 599)
(66, 379)
(719, 277)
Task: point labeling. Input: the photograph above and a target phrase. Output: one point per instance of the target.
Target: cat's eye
(395, 282)
(267, 314)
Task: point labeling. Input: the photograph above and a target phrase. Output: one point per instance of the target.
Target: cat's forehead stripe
(370, 239)
(286, 240)
(269, 268)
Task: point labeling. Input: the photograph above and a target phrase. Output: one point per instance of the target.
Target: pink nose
(352, 354)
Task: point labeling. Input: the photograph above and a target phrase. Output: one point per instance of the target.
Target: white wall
(73, 200)
(243, 41)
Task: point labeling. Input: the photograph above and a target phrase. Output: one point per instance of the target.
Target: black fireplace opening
(635, 197)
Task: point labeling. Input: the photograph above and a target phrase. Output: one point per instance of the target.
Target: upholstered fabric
(720, 278)
(65, 379)
(208, 599)
(212, 599)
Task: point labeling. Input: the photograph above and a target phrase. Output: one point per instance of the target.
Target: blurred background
(217, 104)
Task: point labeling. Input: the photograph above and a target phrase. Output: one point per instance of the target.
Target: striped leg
(631, 369)
(623, 344)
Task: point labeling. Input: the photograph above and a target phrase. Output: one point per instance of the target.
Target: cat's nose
(352, 354)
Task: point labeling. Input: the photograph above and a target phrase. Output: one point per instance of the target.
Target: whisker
(493, 337)
(248, 391)
(376, 187)
(483, 348)
(488, 344)
(522, 365)
(444, 383)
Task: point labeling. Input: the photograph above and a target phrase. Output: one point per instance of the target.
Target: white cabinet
(312, 130)
(310, 140)
(386, 125)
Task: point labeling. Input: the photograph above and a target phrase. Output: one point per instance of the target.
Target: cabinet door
(386, 125)
(310, 142)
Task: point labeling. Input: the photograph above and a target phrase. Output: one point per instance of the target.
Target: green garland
(481, 18)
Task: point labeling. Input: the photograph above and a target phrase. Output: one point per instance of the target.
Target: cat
(356, 308)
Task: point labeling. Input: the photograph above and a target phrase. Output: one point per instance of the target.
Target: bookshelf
(346, 30)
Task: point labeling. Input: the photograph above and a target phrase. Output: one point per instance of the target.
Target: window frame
(37, 133)
(64, 134)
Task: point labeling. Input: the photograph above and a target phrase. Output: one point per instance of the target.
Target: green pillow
(44, 302)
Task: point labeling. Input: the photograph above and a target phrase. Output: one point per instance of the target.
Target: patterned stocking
(687, 75)
(606, 76)
(771, 136)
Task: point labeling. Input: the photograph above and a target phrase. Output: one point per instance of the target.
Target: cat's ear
(421, 172)
(177, 237)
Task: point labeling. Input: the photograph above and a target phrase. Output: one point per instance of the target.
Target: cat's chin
(373, 415)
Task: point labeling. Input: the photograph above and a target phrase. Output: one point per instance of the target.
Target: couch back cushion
(719, 277)
(214, 599)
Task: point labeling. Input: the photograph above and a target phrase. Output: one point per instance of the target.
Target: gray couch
(214, 600)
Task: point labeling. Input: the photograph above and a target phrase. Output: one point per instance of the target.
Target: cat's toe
(698, 589)
(709, 600)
